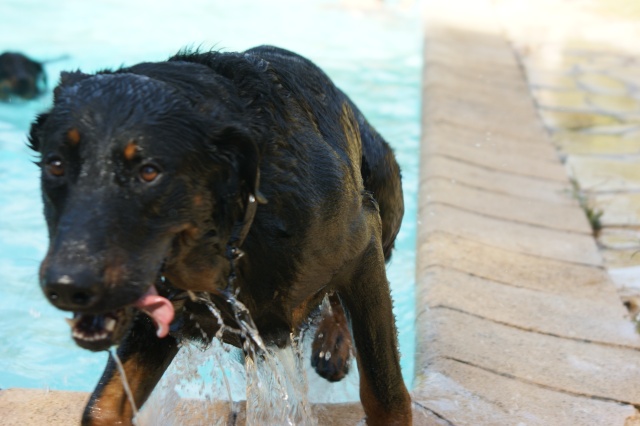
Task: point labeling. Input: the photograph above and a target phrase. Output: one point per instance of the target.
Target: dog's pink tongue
(158, 308)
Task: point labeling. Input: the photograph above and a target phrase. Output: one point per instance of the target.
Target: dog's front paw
(332, 345)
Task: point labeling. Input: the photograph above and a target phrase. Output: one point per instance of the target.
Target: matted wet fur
(213, 174)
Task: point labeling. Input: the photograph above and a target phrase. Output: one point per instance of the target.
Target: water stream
(275, 380)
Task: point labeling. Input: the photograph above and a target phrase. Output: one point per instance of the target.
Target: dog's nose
(71, 291)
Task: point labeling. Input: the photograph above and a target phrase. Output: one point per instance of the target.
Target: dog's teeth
(72, 321)
(109, 324)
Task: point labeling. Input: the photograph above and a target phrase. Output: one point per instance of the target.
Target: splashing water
(273, 381)
(273, 397)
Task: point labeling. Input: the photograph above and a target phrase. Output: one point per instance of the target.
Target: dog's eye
(149, 173)
(55, 166)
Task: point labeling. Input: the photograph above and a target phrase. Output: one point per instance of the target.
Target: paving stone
(549, 215)
(477, 176)
(479, 115)
(627, 73)
(477, 86)
(541, 79)
(631, 118)
(500, 78)
(21, 407)
(620, 238)
(572, 366)
(574, 100)
(571, 316)
(579, 143)
(496, 159)
(521, 238)
(627, 282)
(604, 174)
(444, 134)
(521, 270)
(622, 209)
(575, 120)
(467, 395)
(620, 258)
(600, 83)
(613, 104)
(484, 58)
(626, 129)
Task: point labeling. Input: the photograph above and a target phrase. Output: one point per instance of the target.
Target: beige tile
(469, 396)
(575, 120)
(501, 182)
(613, 104)
(479, 75)
(627, 73)
(622, 209)
(19, 407)
(498, 160)
(605, 174)
(572, 316)
(549, 80)
(520, 238)
(620, 238)
(620, 258)
(507, 119)
(574, 100)
(579, 143)
(600, 83)
(549, 276)
(443, 134)
(573, 366)
(511, 208)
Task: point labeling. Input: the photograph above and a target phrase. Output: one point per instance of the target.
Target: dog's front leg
(383, 394)
(144, 357)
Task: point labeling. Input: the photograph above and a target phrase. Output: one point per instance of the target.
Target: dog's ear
(36, 130)
(68, 79)
(237, 144)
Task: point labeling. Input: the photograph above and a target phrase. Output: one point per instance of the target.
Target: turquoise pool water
(373, 54)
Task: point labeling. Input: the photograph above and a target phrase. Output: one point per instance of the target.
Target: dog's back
(379, 169)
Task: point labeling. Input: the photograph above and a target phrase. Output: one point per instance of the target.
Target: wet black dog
(168, 185)
(20, 77)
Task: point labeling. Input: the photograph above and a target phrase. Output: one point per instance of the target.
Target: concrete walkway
(518, 321)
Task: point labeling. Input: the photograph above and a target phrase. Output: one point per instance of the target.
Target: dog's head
(140, 181)
(20, 77)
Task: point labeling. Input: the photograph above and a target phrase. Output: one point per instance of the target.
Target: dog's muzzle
(99, 331)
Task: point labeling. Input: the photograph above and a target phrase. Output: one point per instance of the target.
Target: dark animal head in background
(20, 77)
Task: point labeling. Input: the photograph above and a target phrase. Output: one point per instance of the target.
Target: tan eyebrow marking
(130, 150)
(73, 136)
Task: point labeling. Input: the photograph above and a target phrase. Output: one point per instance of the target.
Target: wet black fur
(20, 77)
(223, 126)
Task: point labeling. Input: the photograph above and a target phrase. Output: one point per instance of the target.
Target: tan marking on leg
(400, 415)
(113, 406)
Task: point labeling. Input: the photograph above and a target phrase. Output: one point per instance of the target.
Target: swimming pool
(373, 54)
